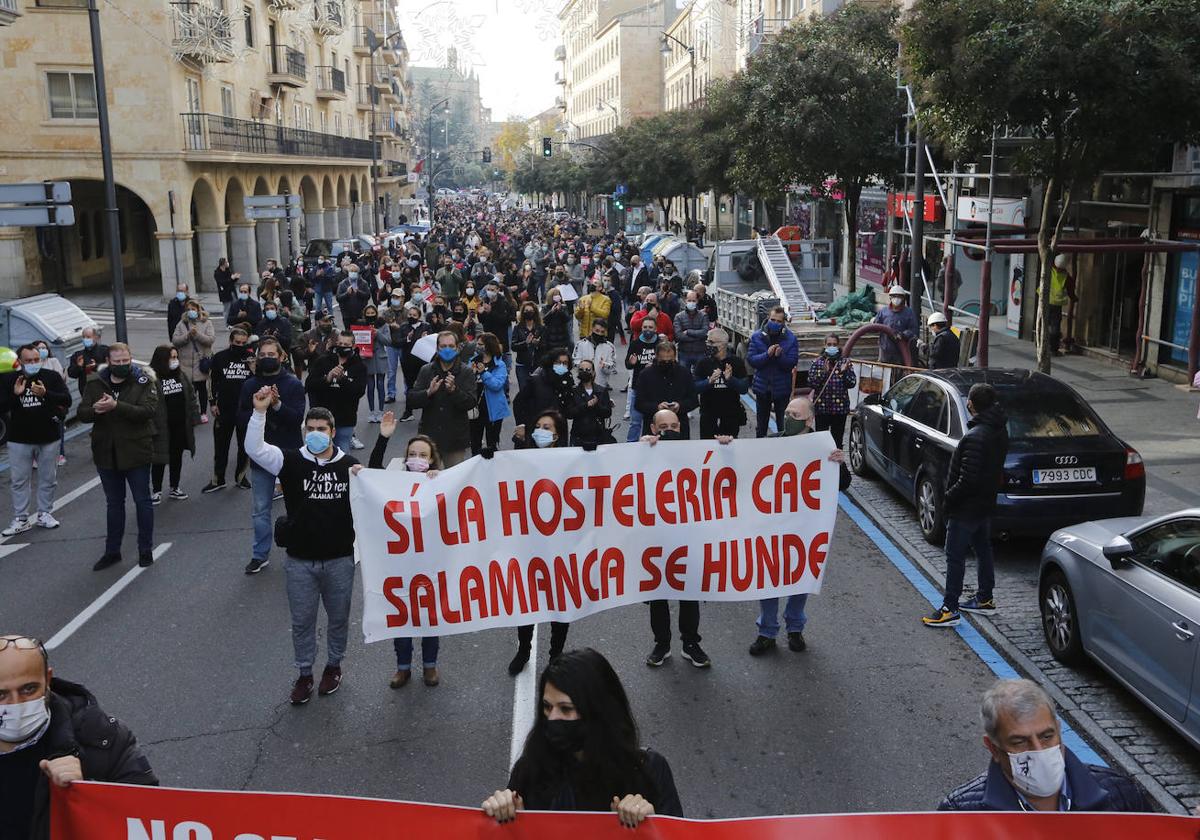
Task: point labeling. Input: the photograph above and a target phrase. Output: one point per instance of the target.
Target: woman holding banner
(549, 429)
(583, 752)
(421, 455)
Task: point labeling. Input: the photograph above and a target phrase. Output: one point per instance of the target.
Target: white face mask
(543, 438)
(1038, 772)
(20, 721)
(173, 364)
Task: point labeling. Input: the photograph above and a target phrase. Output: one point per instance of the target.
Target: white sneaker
(45, 520)
(18, 525)
(355, 443)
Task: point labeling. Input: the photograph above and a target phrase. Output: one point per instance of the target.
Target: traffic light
(619, 203)
(547, 148)
(487, 155)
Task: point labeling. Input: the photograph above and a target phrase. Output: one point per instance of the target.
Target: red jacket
(665, 327)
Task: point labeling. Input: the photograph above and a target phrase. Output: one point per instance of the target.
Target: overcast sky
(509, 42)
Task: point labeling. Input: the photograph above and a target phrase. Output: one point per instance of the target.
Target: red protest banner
(94, 811)
(364, 340)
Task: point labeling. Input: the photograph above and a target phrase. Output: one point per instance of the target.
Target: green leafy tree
(650, 156)
(1095, 84)
(820, 109)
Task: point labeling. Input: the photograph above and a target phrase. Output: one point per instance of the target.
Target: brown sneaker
(302, 690)
(400, 679)
(331, 680)
(430, 676)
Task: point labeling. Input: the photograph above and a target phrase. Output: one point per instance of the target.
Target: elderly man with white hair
(1031, 768)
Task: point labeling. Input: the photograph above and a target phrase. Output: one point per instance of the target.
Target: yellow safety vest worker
(1058, 287)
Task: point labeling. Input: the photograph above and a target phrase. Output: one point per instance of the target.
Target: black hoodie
(977, 467)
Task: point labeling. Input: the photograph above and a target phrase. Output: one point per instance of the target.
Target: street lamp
(374, 45)
(445, 105)
(666, 50)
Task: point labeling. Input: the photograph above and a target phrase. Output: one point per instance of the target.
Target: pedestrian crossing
(106, 317)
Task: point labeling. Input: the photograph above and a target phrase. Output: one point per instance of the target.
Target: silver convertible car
(1126, 592)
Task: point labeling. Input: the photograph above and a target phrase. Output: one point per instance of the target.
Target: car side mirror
(1118, 550)
(871, 399)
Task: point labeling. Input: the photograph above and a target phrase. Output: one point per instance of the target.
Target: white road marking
(112, 592)
(67, 498)
(6, 550)
(523, 703)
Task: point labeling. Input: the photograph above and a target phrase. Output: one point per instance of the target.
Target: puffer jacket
(106, 748)
(977, 466)
(122, 439)
(1092, 789)
(773, 374)
(192, 350)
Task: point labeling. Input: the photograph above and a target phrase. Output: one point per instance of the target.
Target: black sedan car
(1064, 465)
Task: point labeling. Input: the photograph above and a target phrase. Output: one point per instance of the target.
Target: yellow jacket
(592, 308)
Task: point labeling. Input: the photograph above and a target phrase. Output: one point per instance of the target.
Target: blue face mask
(831, 351)
(316, 442)
(447, 354)
(31, 370)
(181, 296)
(243, 295)
(43, 352)
(193, 314)
(271, 314)
(774, 327)
(560, 369)
(89, 343)
(543, 438)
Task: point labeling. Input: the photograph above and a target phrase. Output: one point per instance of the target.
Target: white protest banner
(558, 534)
(568, 292)
(425, 347)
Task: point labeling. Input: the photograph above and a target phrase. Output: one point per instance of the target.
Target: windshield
(1047, 413)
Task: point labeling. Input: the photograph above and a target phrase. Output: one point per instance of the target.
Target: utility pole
(112, 222)
(916, 255)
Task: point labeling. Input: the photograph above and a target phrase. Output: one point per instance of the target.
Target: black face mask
(345, 352)
(267, 365)
(669, 434)
(586, 376)
(565, 736)
(598, 338)
(664, 364)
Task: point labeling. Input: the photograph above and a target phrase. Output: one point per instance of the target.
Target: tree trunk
(1047, 245)
(850, 202)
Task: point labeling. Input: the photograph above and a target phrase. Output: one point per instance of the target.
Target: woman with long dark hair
(583, 752)
(178, 414)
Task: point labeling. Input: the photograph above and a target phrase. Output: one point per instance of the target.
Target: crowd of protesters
(489, 315)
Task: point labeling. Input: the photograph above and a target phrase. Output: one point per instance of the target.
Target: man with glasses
(53, 732)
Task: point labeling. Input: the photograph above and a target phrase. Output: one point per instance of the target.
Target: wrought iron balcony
(391, 169)
(368, 96)
(761, 30)
(279, 7)
(362, 44)
(202, 32)
(288, 67)
(329, 17)
(9, 12)
(331, 83)
(216, 133)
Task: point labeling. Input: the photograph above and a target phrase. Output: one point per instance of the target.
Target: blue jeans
(635, 419)
(404, 652)
(793, 615)
(393, 354)
(114, 482)
(689, 362)
(310, 582)
(962, 533)
(341, 438)
(323, 300)
(764, 404)
(262, 490)
(523, 374)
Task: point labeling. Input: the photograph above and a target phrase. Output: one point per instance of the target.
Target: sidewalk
(1156, 418)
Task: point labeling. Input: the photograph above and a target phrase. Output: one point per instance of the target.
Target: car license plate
(1064, 475)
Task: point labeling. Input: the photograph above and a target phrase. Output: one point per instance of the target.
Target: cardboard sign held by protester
(364, 340)
(558, 534)
(426, 347)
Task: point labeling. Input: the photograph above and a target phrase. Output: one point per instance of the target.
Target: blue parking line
(71, 435)
(981, 647)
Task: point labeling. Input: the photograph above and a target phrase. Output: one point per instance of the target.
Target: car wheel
(858, 450)
(1060, 619)
(929, 510)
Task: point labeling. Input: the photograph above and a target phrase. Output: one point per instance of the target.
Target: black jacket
(977, 466)
(34, 419)
(245, 312)
(944, 350)
(528, 353)
(87, 360)
(561, 791)
(342, 395)
(544, 390)
(556, 328)
(230, 369)
(107, 750)
(444, 413)
(1092, 789)
(498, 319)
(174, 315)
(589, 423)
(655, 385)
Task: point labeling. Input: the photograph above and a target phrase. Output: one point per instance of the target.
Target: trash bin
(51, 318)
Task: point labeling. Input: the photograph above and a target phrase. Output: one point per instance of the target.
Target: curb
(1079, 719)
